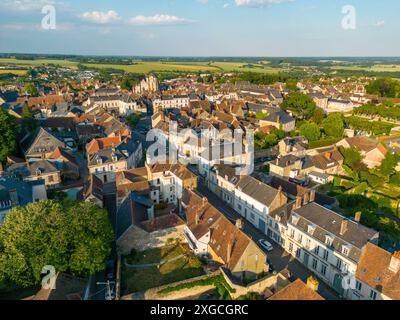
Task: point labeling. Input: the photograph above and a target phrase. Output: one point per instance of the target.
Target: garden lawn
(141, 279)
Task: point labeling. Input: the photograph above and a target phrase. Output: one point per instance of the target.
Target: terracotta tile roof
(373, 269)
(297, 290)
(60, 153)
(161, 223)
(102, 143)
(227, 241)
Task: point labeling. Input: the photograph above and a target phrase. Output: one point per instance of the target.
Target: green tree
(300, 104)
(28, 119)
(311, 131)
(133, 119)
(8, 134)
(73, 237)
(351, 156)
(318, 116)
(388, 166)
(333, 125)
(31, 89)
(384, 87)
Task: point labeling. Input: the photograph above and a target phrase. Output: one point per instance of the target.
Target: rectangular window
(308, 243)
(339, 263)
(298, 253)
(292, 233)
(358, 285)
(326, 255)
(372, 294)
(290, 247)
(316, 250)
(315, 264)
(323, 269)
(300, 238)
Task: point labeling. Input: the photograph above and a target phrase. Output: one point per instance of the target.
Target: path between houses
(146, 265)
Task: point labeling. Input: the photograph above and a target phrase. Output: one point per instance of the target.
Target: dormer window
(295, 219)
(38, 172)
(328, 240)
(310, 229)
(346, 250)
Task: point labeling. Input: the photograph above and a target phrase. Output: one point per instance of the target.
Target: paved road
(278, 257)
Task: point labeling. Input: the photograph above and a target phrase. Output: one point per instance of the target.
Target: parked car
(265, 244)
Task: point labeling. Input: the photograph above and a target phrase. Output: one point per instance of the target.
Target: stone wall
(137, 238)
(152, 294)
(275, 282)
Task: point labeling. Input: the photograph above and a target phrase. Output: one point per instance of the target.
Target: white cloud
(26, 5)
(158, 19)
(226, 5)
(258, 3)
(101, 17)
(379, 24)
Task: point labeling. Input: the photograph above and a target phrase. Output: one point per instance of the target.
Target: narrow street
(278, 257)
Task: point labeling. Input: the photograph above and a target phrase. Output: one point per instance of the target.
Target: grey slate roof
(259, 191)
(328, 222)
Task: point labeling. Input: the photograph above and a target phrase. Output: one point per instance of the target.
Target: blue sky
(202, 28)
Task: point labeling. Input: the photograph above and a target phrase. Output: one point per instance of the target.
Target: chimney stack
(344, 226)
(312, 195)
(357, 217)
(306, 198)
(239, 224)
(205, 201)
(312, 283)
(394, 265)
(196, 218)
(298, 202)
(328, 155)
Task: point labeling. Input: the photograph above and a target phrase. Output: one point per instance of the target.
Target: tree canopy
(311, 131)
(8, 134)
(28, 119)
(300, 104)
(384, 87)
(31, 89)
(73, 237)
(333, 125)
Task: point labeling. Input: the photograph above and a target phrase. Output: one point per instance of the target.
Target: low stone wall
(276, 282)
(137, 238)
(152, 294)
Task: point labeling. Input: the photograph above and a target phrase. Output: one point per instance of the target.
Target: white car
(265, 244)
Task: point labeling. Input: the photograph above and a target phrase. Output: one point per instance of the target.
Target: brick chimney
(312, 283)
(297, 205)
(394, 265)
(344, 226)
(328, 155)
(196, 219)
(357, 217)
(312, 195)
(306, 198)
(205, 201)
(239, 224)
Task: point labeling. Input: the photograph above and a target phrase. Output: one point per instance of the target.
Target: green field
(17, 72)
(375, 68)
(151, 66)
(37, 62)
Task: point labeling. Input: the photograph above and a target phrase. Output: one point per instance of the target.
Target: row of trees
(74, 237)
(387, 111)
